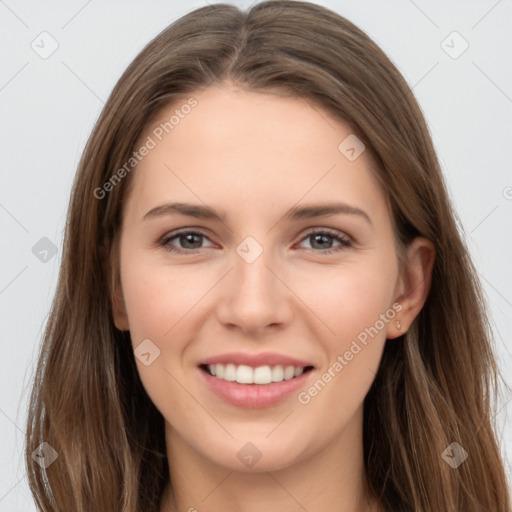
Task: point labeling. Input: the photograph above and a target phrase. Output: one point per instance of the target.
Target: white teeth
(262, 375)
(230, 372)
(244, 374)
(289, 372)
(277, 373)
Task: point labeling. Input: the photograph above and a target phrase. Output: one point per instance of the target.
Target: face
(256, 276)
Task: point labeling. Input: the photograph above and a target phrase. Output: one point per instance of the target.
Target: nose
(254, 297)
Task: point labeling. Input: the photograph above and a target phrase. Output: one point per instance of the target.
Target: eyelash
(344, 241)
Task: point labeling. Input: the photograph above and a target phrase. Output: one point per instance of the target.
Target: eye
(189, 240)
(323, 239)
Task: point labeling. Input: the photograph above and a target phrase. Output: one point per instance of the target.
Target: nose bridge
(254, 298)
(251, 273)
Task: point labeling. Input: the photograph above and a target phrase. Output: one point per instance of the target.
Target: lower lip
(253, 396)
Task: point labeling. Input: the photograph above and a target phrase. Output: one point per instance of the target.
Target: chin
(255, 455)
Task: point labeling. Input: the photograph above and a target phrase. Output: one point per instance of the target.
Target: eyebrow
(295, 213)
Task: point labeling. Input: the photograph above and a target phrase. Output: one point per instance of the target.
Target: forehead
(240, 150)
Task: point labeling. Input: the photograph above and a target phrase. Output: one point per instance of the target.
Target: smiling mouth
(260, 375)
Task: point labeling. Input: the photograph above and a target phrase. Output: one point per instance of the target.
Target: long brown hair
(435, 384)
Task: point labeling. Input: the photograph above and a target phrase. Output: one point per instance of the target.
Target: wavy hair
(435, 385)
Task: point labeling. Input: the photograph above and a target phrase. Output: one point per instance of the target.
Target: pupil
(321, 237)
(190, 239)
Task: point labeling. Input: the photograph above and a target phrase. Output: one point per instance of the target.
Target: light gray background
(48, 107)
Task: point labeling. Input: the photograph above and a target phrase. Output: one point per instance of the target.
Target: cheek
(157, 297)
(351, 299)
(159, 301)
(352, 305)
(356, 305)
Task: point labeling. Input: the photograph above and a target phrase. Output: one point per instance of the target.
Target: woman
(258, 369)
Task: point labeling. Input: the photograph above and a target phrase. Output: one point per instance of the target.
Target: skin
(254, 156)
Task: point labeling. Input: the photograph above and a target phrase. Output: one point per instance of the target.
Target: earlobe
(416, 281)
(396, 328)
(119, 311)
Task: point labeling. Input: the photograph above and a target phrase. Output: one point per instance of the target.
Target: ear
(414, 285)
(110, 261)
(118, 308)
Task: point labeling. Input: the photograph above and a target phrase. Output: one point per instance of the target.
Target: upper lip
(255, 360)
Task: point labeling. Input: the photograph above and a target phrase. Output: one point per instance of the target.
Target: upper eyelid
(183, 231)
